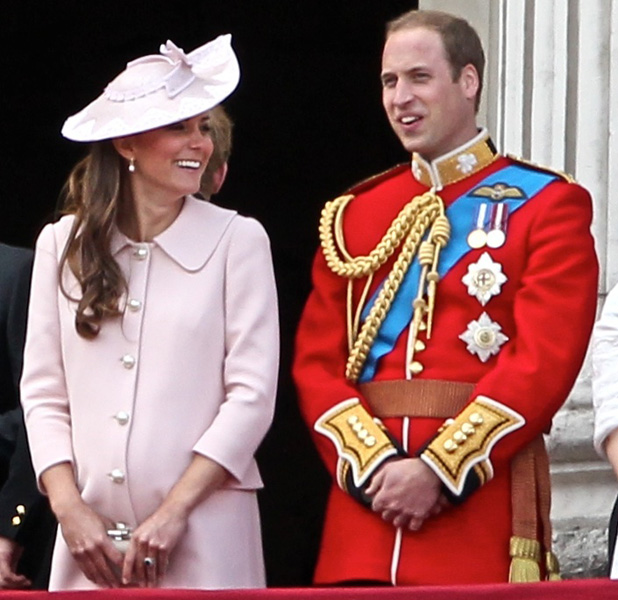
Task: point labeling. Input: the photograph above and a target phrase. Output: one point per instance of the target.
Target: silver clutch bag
(120, 535)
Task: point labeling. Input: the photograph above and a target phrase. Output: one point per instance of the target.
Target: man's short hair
(221, 133)
(461, 42)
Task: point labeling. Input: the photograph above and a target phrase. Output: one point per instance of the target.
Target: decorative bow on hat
(158, 90)
(213, 62)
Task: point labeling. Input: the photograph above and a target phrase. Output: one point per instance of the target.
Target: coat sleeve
(605, 372)
(43, 385)
(251, 351)
(352, 443)
(553, 311)
(18, 306)
(20, 500)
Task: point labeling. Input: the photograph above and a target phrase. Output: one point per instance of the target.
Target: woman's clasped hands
(145, 562)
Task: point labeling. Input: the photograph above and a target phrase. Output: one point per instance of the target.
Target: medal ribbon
(529, 181)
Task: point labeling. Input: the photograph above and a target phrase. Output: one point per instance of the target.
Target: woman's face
(170, 160)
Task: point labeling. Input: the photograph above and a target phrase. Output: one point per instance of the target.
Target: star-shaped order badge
(484, 278)
(483, 337)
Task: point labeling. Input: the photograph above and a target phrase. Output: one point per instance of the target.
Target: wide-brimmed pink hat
(158, 90)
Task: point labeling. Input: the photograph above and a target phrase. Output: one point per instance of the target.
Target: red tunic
(546, 308)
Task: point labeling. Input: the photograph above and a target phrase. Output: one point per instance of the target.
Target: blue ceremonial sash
(459, 214)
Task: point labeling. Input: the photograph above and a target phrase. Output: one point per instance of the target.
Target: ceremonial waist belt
(416, 397)
(530, 482)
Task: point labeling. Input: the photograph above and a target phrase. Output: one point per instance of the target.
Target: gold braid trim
(420, 214)
(361, 266)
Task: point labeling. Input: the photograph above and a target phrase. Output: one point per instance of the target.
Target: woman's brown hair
(93, 193)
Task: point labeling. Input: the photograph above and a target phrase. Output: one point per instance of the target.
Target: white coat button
(140, 253)
(122, 417)
(128, 361)
(134, 305)
(117, 476)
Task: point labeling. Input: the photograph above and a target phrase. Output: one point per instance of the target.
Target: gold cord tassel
(440, 234)
(420, 308)
(525, 558)
(552, 567)
(425, 259)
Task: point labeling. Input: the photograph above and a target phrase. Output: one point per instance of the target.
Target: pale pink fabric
(205, 345)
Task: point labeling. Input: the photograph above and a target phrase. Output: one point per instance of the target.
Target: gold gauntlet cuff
(359, 439)
(465, 442)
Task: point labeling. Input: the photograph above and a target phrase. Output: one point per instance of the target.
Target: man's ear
(469, 80)
(124, 147)
(218, 177)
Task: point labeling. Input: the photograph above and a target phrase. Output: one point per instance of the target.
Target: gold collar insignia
(457, 164)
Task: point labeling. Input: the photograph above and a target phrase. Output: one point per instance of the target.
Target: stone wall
(583, 486)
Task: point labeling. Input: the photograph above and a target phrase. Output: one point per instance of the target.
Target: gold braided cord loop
(421, 214)
(362, 266)
(385, 298)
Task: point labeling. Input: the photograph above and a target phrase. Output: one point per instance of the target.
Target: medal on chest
(484, 280)
(483, 337)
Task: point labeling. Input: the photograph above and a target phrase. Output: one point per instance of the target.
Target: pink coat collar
(192, 238)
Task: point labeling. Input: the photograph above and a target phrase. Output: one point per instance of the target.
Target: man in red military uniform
(450, 315)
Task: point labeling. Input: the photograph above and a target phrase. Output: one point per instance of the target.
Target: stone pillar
(552, 97)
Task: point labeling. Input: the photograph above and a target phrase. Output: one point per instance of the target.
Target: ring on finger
(149, 562)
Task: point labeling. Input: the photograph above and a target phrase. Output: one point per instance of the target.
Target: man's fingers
(401, 521)
(389, 515)
(443, 500)
(415, 524)
(12, 581)
(376, 483)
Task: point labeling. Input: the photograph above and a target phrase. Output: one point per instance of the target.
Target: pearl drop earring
(132, 165)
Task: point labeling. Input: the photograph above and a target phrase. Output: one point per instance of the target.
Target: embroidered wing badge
(498, 192)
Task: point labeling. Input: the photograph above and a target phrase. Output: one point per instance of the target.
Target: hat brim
(107, 118)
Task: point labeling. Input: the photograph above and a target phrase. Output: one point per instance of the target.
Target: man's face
(430, 113)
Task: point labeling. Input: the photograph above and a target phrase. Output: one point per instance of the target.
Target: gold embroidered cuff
(464, 443)
(359, 440)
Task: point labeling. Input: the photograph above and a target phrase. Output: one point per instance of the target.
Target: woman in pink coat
(152, 348)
